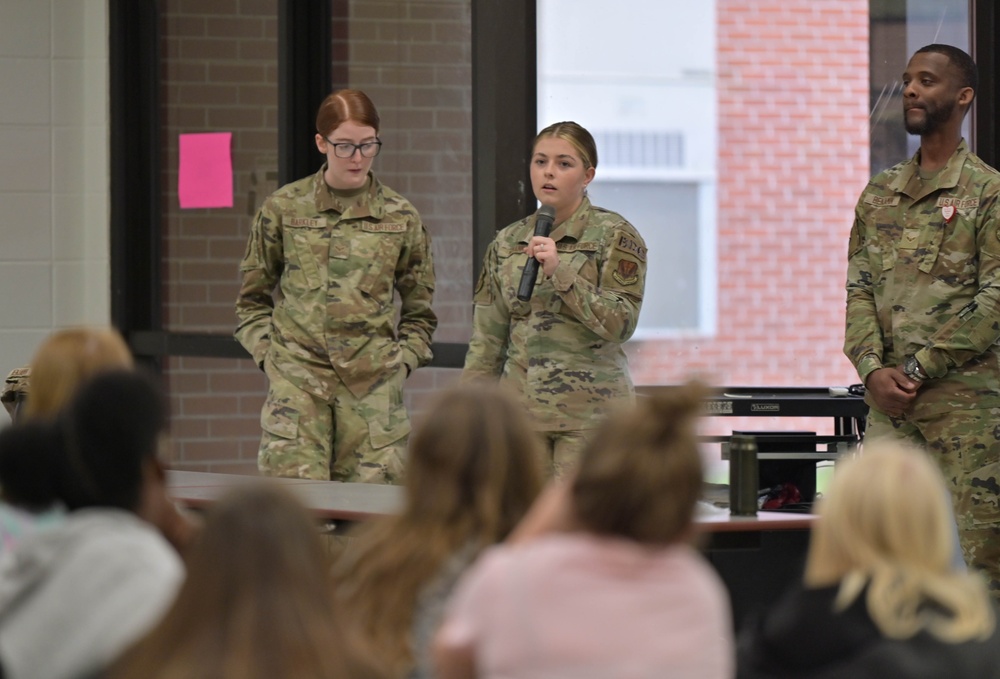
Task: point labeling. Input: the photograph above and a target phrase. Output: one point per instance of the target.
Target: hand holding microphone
(543, 225)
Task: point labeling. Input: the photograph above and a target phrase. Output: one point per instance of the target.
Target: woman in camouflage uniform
(326, 254)
(562, 348)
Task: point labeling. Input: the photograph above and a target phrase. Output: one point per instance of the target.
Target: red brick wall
(793, 158)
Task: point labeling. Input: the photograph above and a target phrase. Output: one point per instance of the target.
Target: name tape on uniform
(630, 245)
(383, 228)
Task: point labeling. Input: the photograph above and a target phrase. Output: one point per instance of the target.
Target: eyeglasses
(343, 149)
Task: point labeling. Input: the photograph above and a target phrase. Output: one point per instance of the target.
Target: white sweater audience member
(74, 596)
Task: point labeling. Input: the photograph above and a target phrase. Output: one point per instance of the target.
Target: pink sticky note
(205, 176)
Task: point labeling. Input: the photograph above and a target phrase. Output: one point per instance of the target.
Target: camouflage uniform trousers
(966, 446)
(563, 450)
(361, 440)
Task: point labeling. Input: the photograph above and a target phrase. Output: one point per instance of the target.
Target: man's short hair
(963, 63)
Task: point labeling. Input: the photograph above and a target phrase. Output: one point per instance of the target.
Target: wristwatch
(913, 369)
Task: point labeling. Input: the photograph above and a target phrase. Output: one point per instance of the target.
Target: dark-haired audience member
(473, 471)
(73, 596)
(29, 452)
(258, 602)
(602, 582)
(880, 595)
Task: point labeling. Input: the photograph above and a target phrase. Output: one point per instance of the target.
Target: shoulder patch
(383, 228)
(881, 201)
(18, 373)
(305, 221)
(625, 243)
(959, 203)
(627, 272)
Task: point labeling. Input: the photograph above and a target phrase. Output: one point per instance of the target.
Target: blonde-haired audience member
(601, 581)
(880, 596)
(474, 470)
(65, 359)
(258, 602)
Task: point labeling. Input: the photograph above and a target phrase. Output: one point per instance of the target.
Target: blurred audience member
(28, 471)
(881, 596)
(66, 359)
(30, 454)
(601, 580)
(474, 469)
(73, 596)
(257, 603)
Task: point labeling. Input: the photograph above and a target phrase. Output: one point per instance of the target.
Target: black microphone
(543, 225)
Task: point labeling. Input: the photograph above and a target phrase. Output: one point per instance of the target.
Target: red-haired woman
(316, 311)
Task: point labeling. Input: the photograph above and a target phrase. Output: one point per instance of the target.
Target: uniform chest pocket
(949, 255)
(305, 247)
(377, 255)
(583, 261)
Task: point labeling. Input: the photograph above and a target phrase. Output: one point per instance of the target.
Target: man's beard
(934, 118)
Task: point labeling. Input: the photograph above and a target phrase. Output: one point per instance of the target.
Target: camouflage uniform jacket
(335, 266)
(562, 349)
(923, 278)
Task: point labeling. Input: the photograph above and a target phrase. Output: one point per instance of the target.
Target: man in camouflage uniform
(334, 356)
(15, 391)
(923, 299)
(562, 349)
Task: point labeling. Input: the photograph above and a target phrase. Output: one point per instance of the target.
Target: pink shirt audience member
(578, 605)
(599, 579)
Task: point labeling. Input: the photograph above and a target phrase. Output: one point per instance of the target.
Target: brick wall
(219, 74)
(793, 158)
(415, 60)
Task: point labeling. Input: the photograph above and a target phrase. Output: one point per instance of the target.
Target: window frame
(504, 105)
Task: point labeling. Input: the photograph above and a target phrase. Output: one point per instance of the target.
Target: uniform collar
(576, 224)
(908, 181)
(368, 204)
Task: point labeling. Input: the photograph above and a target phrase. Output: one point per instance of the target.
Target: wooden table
(351, 502)
(328, 500)
(757, 557)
